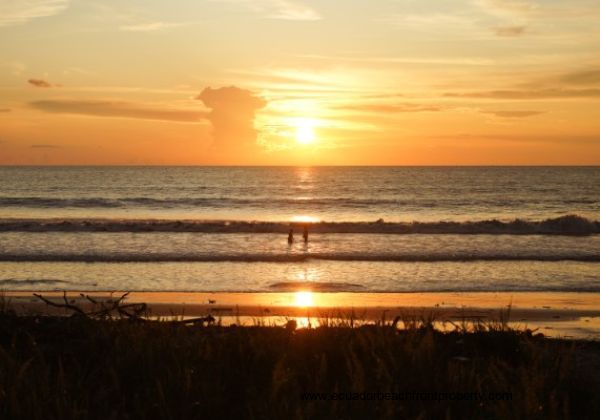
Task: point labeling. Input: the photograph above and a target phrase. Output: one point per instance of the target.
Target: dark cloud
(4, 110)
(529, 94)
(39, 83)
(510, 31)
(392, 108)
(117, 109)
(588, 77)
(513, 114)
(232, 115)
(44, 146)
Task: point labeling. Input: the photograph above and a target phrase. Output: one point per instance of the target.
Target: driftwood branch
(65, 305)
(111, 308)
(103, 310)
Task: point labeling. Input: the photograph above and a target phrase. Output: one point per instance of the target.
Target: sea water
(370, 228)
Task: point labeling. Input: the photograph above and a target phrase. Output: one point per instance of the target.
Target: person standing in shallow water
(305, 234)
(291, 237)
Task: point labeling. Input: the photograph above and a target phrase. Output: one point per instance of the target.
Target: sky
(292, 82)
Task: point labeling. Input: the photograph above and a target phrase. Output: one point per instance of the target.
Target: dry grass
(80, 367)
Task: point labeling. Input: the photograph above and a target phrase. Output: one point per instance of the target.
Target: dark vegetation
(110, 365)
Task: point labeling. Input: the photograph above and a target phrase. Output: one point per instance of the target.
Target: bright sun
(305, 131)
(303, 299)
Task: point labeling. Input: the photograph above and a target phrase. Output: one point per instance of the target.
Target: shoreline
(555, 314)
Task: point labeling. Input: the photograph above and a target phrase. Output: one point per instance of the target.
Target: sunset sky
(278, 82)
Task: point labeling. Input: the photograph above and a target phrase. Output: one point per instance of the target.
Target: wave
(31, 282)
(322, 287)
(292, 286)
(262, 201)
(564, 225)
(291, 258)
(214, 202)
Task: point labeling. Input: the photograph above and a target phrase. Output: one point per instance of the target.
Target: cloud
(587, 77)
(45, 146)
(529, 94)
(513, 114)
(232, 115)
(510, 31)
(39, 83)
(150, 26)
(504, 7)
(442, 61)
(524, 138)
(4, 110)
(280, 9)
(392, 108)
(288, 10)
(119, 109)
(14, 12)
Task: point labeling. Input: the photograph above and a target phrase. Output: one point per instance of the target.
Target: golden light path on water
(304, 218)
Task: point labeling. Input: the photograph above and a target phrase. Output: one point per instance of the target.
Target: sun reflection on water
(304, 218)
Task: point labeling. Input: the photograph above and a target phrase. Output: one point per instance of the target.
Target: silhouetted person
(291, 237)
(305, 234)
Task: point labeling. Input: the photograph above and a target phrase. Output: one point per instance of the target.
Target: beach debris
(101, 309)
(203, 320)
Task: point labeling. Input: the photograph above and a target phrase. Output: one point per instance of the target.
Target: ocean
(371, 229)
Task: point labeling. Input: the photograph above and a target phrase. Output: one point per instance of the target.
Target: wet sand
(568, 315)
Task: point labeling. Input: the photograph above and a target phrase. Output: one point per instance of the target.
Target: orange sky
(286, 82)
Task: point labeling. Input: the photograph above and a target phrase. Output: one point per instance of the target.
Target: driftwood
(65, 305)
(209, 319)
(101, 309)
(115, 307)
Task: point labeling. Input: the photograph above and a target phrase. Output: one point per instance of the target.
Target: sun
(305, 131)
(303, 299)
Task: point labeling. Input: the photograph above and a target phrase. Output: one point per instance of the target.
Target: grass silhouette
(115, 367)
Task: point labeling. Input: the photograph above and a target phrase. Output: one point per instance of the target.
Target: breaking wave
(289, 258)
(259, 201)
(564, 225)
(31, 282)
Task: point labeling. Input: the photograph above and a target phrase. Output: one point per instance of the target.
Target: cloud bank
(529, 94)
(120, 109)
(587, 77)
